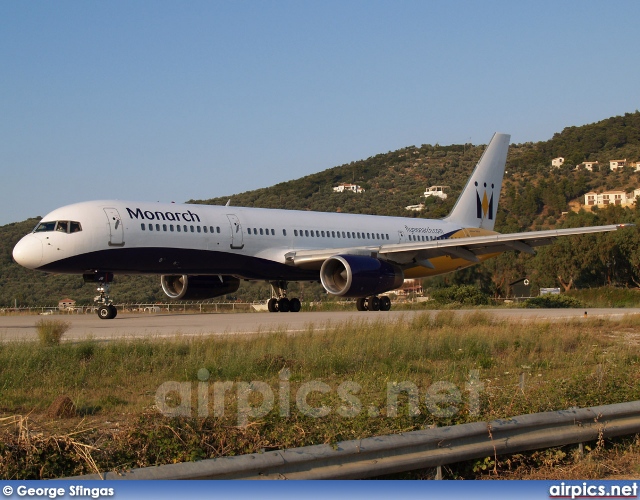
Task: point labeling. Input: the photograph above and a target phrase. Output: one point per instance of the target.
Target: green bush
(553, 301)
(50, 331)
(467, 295)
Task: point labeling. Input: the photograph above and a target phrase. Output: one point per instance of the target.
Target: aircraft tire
(385, 303)
(361, 304)
(272, 305)
(294, 305)
(283, 305)
(373, 303)
(104, 312)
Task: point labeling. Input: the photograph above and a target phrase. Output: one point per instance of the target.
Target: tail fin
(478, 204)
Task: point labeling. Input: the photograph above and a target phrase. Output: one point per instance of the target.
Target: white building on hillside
(348, 187)
(611, 198)
(436, 191)
(587, 165)
(557, 162)
(617, 164)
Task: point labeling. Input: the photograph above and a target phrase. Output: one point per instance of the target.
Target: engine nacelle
(183, 287)
(359, 276)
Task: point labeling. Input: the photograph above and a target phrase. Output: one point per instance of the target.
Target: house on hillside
(617, 164)
(437, 191)
(587, 165)
(341, 188)
(611, 198)
(416, 208)
(557, 162)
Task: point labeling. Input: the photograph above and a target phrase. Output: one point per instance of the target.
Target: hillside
(533, 197)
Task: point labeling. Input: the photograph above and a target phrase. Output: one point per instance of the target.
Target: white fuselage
(251, 243)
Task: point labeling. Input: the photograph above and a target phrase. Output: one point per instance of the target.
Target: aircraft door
(237, 238)
(116, 228)
(400, 236)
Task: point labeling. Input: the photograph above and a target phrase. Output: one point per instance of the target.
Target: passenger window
(273, 232)
(218, 229)
(306, 232)
(178, 228)
(322, 232)
(157, 227)
(164, 227)
(204, 228)
(312, 235)
(171, 227)
(338, 233)
(150, 227)
(211, 229)
(284, 232)
(185, 228)
(249, 230)
(260, 231)
(343, 234)
(142, 226)
(198, 228)
(192, 229)
(295, 232)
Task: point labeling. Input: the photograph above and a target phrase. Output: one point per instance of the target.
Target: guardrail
(390, 454)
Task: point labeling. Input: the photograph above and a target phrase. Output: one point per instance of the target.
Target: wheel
(114, 311)
(284, 305)
(361, 304)
(385, 303)
(294, 305)
(373, 303)
(272, 305)
(104, 312)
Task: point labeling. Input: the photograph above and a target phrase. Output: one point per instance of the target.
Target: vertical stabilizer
(478, 204)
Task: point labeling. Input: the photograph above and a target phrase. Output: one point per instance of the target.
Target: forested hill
(396, 179)
(534, 196)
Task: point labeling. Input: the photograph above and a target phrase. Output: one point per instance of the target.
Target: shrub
(50, 331)
(467, 295)
(553, 301)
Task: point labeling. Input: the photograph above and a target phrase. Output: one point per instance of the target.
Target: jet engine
(359, 276)
(183, 287)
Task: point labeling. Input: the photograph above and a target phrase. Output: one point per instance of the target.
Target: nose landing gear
(105, 307)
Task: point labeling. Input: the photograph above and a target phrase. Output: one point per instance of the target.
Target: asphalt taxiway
(89, 326)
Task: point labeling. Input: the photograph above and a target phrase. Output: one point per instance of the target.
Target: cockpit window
(64, 226)
(45, 226)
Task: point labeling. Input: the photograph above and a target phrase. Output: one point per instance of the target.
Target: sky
(156, 100)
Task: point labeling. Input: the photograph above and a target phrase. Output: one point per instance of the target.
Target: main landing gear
(279, 302)
(373, 303)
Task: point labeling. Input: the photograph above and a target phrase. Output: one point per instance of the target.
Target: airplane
(204, 251)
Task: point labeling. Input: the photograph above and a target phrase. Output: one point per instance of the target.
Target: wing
(469, 249)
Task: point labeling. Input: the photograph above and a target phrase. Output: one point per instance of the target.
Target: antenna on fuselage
(228, 202)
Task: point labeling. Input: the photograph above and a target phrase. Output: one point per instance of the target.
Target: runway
(17, 328)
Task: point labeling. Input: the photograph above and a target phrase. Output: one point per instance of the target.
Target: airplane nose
(28, 252)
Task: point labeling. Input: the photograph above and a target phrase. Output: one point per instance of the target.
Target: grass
(522, 368)
(50, 331)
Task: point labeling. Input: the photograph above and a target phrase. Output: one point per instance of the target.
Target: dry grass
(523, 369)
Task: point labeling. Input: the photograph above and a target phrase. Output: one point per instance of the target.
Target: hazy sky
(173, 100)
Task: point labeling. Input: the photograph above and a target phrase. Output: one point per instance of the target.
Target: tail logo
(484, 205)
